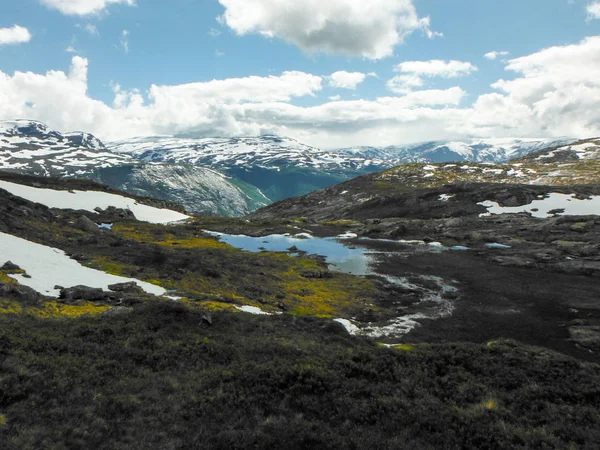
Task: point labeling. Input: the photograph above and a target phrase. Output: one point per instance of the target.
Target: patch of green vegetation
(158, 378)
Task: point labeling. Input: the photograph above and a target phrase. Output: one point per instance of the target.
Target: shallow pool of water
(355, 261)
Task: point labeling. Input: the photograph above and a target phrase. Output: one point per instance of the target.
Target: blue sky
(136, 44)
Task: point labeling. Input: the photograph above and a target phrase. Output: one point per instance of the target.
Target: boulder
(86, 224)
(17, 290)
(83, 293)
(129, 287)
(10, 267)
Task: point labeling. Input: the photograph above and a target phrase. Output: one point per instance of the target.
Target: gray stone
(86, 224)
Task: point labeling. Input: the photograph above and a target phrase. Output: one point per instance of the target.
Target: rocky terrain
(439, 297)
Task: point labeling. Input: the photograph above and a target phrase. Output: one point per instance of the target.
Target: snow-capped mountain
(267, 152)
(31, 148)
(474, 150)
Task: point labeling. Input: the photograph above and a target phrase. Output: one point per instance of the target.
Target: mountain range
(225, 176)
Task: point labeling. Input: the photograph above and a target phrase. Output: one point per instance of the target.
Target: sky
(329, 73)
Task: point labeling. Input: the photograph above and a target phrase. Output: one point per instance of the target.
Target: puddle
(355, 261)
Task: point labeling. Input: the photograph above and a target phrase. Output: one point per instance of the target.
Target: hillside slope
(418, 186)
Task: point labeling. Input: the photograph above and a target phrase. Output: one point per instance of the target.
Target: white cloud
(14, 35)
(495, 54)
(436, 68)
(593, 10)
(346, 80)
(335, 98)
(125, 41)
(369, 29)
(83, 7)
(89, 28)
(213, 32)
(413, 72)
(556, 93)
(550, 93)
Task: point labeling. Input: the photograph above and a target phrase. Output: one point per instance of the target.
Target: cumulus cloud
(556, 92)
(550, 93)
(369, 29)
(14, 35)
(83, 7)
(347, 80)
(495, 54)
(593, 10)
(412, 73)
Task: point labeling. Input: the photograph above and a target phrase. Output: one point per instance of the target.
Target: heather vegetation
(162, 377)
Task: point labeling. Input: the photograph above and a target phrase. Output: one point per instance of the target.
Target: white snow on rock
(347, 235)
(540, 208)
(252, 310)
(446, 197)
(49, 267)
(349, 326)
(88, 200)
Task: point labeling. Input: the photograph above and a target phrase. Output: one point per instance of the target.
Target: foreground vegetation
(162, 377)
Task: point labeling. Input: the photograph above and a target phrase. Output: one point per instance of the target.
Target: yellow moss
(405, 347)
(10, 307)
(216, 306)
(2, 419)
(108, 266)
(5, 278)
(59, 310)
(52, 309)
(490, 404)
(159, 236)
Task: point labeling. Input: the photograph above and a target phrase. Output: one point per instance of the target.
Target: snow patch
(252, 310)
(89, 200)
(541, 207)
(49, 267)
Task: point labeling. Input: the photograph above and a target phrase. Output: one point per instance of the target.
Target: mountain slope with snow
(31, 148)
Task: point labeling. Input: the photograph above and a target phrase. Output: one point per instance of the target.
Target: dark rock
(86, 224)
(317, 274)
(22, 292)
(83, 293)
(80, 257)
(10, 267)
(129, 287)
(207, 318)
(282, 306)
